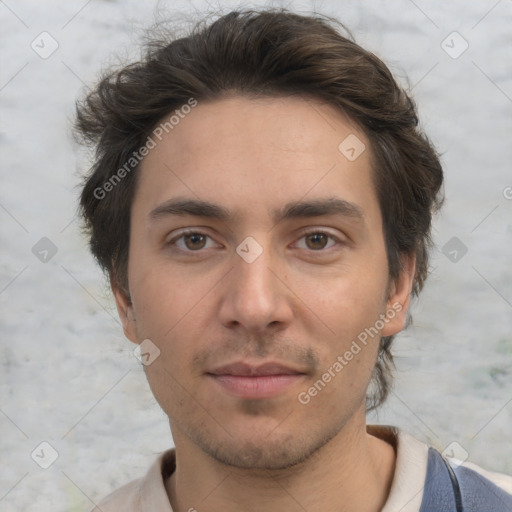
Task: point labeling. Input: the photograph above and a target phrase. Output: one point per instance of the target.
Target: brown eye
(318, 240)
(194, 241)
(190, 241)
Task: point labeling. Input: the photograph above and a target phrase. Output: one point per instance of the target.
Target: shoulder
(499, 479)
(144, 494)
(482, 489)
(427, 481)
(477, 489)
(126, 498)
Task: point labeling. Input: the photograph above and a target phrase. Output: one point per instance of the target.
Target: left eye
(194, 241)
(318, 240)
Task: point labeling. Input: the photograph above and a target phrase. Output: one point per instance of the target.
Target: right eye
(193, 241)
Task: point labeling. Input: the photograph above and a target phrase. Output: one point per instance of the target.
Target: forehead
(251, 153)
(300, 124)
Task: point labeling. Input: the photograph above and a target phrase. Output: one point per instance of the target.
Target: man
(261, 200)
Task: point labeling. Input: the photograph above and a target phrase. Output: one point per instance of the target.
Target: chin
(266, 450)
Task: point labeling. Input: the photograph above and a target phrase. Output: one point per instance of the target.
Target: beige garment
(148, 494)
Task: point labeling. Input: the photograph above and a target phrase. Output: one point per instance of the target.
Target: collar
(405, 495)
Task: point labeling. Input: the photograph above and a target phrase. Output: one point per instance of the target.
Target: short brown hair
(270, 52)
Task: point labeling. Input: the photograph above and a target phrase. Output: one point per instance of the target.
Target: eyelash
(183, 234)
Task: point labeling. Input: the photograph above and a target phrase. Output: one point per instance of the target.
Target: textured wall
(67, 375)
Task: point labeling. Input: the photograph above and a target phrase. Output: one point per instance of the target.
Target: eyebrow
(292, 210)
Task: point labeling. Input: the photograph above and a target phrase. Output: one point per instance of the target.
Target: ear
(125, 310)
(399, 296)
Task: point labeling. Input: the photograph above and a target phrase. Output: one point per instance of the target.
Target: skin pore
(321, 279)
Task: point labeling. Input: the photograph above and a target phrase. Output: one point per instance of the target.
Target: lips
(247, 370)
(248, 381)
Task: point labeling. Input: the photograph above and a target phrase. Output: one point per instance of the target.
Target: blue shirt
(460, 489)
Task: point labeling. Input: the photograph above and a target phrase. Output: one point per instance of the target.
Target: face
(253, 299)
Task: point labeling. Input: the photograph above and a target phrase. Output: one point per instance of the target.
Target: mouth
(248, 381)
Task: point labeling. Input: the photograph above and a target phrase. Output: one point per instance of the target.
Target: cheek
(347, 302)
(350, 307)
(341, 385)
(160, 296)
(348, 359)
(172, 327)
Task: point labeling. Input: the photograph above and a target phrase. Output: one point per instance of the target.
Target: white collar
(405, 495)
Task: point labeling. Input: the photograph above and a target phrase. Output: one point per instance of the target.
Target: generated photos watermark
(137, 156)
(304, 397)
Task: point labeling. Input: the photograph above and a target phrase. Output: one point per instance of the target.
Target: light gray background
(68, 376)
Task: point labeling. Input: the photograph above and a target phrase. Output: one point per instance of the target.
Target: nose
(255, 295)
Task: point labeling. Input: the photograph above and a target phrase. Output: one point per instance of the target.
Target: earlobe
(126, 313)
(399, 297)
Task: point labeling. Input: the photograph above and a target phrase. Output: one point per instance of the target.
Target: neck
(352, 472)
